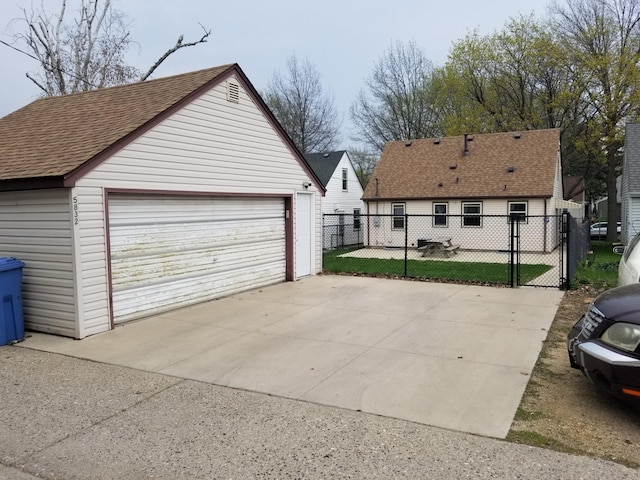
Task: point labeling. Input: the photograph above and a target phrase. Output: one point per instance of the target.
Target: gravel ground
(66, 418)
(561, 409)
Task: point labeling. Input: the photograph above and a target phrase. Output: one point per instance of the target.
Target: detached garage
(130, 201)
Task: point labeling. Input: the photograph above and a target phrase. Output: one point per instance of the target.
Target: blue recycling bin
(11, 317)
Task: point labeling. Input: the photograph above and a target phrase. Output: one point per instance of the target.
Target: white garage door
(173, 251)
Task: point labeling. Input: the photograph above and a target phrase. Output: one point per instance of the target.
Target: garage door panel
(162, 268)
(190, 209)
(184, 292)
(150, 239)
(171, 251)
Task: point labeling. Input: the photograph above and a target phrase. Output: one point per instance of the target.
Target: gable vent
(233, 92)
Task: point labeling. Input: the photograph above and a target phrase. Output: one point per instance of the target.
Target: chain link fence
(577, 239)
(483, 249)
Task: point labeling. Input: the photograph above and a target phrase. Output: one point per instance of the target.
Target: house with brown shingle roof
(466, 188)
(129, 201)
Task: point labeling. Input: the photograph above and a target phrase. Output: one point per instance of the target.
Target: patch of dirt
(562, 410)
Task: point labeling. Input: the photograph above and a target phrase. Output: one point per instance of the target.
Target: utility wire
(49, 65)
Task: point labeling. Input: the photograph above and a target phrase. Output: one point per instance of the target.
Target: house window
(398, 216)
(344, 179)
(471, 214)
(440, 214)
(356, 219)
(518, 210)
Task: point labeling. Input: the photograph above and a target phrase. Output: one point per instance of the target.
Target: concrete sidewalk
(72, 419)
(453, 356)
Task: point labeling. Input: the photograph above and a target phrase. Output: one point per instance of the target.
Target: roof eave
(468, 197)
(36, 183)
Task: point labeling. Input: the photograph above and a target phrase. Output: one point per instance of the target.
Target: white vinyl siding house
(466, 189)
(493, 234)
(339, 199)
(202, 204)
(343, 198)
(630, 185)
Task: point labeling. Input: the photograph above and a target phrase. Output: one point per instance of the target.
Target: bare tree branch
(42, 87)
(84, 52)
(175, 48)
(399, 103)
(302, 107)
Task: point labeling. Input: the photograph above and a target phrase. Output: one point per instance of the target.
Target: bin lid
(10, 263)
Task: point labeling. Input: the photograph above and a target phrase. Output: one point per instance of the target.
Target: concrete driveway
(453, 356)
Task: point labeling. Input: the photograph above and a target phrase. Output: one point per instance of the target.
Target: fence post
(565, 267)
(406, 243)
(512, 250)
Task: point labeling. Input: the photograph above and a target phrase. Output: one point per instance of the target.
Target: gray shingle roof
(324, 164)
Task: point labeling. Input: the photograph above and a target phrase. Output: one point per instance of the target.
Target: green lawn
(600, 268)
(474, 272)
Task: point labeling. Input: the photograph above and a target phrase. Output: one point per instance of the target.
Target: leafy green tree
(603, 41)
(515, 79)
(520, 78)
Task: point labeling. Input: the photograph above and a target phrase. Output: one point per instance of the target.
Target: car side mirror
(619, 249)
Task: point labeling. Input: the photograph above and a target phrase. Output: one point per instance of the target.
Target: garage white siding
(92, 287)
(35, 227)
(210, 145)
(173, 251)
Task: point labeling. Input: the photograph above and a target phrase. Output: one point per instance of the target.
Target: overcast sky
(342, 38)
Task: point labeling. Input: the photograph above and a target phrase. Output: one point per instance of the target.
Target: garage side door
(172, 251)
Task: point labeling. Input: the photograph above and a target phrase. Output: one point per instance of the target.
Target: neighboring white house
(342, 205)
(466, 187)
(630, 184)
(129, 201)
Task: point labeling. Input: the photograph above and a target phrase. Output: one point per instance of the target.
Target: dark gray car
(605, 342)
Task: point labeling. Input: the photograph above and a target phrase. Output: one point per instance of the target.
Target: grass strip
(474, 272)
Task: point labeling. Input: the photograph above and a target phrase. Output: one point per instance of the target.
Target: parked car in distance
(599, 230)
(629, 266)
(605, 343)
